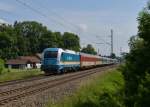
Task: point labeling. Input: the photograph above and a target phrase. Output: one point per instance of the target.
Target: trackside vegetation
(1, 66)
(14, 74)
(136, 71)
(103, 91)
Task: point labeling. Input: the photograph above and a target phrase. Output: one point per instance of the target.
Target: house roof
(32, 59)
(24, 60)
(16, 61)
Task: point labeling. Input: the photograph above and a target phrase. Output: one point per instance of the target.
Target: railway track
(19, 81)
(2, 84)
(18, 93)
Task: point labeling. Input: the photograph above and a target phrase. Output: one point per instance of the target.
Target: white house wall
(38, 65)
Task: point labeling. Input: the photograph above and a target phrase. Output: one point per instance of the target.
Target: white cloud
(6, 7)
(83, 27)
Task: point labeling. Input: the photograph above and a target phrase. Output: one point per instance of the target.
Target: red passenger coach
(87, 60)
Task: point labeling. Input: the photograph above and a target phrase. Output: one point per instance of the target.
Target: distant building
(25, 62)
(39, 55)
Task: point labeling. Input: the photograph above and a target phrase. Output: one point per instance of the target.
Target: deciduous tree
(89, 49)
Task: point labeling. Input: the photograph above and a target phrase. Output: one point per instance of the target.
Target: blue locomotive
(57, 60)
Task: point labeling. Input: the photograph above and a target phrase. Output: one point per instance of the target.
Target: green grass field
(14, 74)
(103, 91)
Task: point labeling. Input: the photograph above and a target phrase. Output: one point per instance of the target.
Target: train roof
(70, 51)
(62, 50)
(107, 58)
(73, 52)
(52, 49)
(96, 56)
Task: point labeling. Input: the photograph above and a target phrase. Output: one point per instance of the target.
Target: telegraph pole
(111, 41)
(120, 51)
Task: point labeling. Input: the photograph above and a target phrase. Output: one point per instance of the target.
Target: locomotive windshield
(50, 54)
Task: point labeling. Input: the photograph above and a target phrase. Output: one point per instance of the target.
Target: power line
(39, 12)
(104, 41)
(58, 15)
(44, 15)
(62, 18)
(111, 41)
(58, 22)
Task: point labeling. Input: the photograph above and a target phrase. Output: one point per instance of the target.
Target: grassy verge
(14, 74)
(103, 91)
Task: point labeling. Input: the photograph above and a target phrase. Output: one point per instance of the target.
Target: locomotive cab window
(50, 54)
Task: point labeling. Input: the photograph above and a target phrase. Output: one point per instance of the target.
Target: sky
(92, 20)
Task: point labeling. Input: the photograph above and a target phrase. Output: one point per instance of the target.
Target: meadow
(15, 74)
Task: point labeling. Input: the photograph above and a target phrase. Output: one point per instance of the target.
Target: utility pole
(111, 41)
(98, 51)
(120, 51)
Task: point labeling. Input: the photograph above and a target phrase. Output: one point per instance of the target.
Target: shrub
(137, 67)
(1, 70)
(1, 66)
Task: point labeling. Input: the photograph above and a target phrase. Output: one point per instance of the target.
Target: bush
(137, 67)
(143, 99)
(15, 74)
(1, 70)
(1, 66)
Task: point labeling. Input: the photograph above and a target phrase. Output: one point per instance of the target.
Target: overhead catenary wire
(103, 41)
(71, 27)
(74, 25)
(62, 19)
(42, 14)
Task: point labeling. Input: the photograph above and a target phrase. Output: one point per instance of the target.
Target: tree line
(30, 37)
